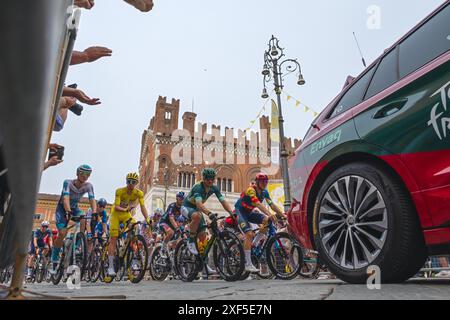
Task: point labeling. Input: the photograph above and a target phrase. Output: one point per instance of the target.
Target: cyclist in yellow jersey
(125, 201)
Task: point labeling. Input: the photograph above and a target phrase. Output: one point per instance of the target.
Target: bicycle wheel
(39, 274)
(119, 265)
(159, 267)
(48, 275)
(229, 257)
(136, 259)
(284, 256)
(56, 278)
(187, 265)
(81, 254)
(311, 265)
(264, 272)
(94, 269)
(2, 275)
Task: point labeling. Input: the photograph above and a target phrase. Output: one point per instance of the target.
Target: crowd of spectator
(71, 95)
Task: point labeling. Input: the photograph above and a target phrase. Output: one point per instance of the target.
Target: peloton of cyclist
(124, 203)
(250, 199)
(194, 205)
(72, 192)
(38, 245)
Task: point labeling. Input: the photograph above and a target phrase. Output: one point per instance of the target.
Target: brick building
(162, 177)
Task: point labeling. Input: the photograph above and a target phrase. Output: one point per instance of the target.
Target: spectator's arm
(142, 5)
(86, 4)
(90, 54)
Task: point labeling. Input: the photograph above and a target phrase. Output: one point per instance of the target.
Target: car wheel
(364, 217)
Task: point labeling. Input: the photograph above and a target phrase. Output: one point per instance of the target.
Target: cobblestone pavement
(250, 290)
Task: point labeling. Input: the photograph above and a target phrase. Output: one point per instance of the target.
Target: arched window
(224, 185)
(230, 186)
(193, 179)
(179, 179)
(219, 183)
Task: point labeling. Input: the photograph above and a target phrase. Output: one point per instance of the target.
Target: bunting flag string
(252, 122)
(298, 103)
(289, 97)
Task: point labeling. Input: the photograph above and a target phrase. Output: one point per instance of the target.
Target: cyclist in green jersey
(194, 205)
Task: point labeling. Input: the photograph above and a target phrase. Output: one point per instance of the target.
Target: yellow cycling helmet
(133, 176)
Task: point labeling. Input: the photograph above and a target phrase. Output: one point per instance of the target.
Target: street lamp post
(272, 70)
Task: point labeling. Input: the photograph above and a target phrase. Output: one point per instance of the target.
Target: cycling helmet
(158, 212)
(208, 173)
(133, 176)
(45, 223)
(180, 195)
(54, 231)
(102, 202)
(262, 177)
(84, 168)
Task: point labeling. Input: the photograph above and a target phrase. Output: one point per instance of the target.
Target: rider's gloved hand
(149, 222)
(212, 216)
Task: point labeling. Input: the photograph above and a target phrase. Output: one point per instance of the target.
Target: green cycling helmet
(208, 173)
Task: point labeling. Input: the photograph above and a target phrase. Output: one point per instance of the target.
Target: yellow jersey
(124, 199)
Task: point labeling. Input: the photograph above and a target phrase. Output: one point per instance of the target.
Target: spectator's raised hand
(95, 53)
(53, 161)
(80, 96)
(86, 4)
(142, 5)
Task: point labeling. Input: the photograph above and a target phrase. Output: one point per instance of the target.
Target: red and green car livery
(371, 180)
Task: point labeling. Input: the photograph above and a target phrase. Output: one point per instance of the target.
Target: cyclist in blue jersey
(96, 222)
(73, 191)
(169, 222)
(37, 245)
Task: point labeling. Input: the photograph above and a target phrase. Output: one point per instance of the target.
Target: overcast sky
(211, 51)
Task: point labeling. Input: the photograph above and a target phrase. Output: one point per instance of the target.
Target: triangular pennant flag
(289, 97)
(252, 122)
(306, 109)
(297, 103)
(315, 114)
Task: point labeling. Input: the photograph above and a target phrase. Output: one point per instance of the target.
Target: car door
(410, 114)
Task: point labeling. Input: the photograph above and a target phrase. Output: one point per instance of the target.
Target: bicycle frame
(70, 243)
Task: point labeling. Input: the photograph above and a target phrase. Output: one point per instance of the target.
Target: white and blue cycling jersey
(74, 193)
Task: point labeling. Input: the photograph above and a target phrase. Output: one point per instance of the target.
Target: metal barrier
(38, 40)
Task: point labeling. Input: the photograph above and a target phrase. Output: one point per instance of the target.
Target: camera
(76, 108)
(59, 152)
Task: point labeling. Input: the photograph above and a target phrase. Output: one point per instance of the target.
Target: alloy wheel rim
(353, 222)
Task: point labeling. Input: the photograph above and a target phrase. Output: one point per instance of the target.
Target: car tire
(403, 252)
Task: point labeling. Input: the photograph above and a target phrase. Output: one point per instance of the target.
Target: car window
(426, 43)
(385, 75)
(354, 95)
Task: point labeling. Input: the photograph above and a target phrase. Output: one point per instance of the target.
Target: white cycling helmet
(158, 213)
(45, 223)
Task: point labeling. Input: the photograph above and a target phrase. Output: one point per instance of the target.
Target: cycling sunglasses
(131, 181)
